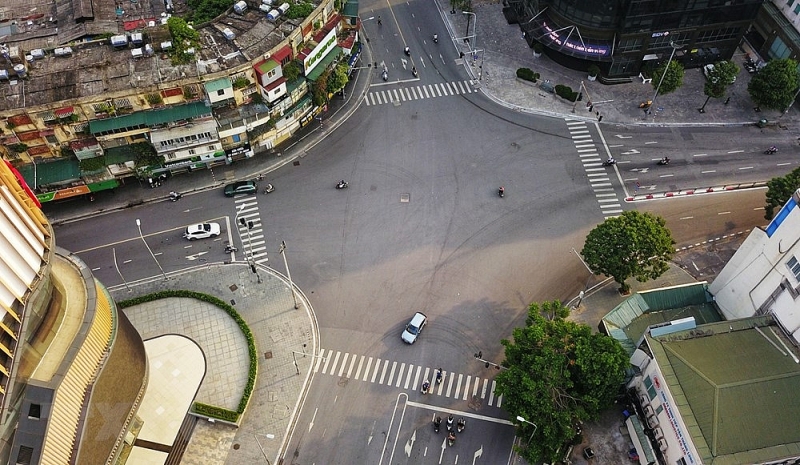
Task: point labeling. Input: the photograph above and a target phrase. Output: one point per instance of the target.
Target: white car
(413, 328)
(201, 231)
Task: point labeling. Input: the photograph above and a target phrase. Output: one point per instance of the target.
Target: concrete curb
(696, 191)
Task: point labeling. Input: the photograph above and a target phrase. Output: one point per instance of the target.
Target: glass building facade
(625, 37)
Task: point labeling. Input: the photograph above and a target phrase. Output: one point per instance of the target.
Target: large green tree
(774, 86)
(718, 79)
(557, 374)
(631, 245)
(779, 190)
(672, 79)
(338, 78)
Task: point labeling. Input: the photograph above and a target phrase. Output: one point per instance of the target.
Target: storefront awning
(326, 61)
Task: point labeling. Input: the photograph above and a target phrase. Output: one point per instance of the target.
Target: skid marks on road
(407, 376)
(593, 165)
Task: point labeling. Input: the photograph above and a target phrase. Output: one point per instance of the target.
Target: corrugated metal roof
(149, 118)
(736, 389)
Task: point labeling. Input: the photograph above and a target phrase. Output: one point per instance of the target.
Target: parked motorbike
(269, 188)
(342, 184)
(175, 196)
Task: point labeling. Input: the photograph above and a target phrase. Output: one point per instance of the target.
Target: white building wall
(756, 278)
(791, 10)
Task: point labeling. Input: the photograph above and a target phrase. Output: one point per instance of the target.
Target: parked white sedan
(201, 231)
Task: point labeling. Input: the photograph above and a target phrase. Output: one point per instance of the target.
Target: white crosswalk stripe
(407, 94)
(406, 376)
(596, 172)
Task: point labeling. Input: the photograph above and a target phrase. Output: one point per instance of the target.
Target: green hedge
(527, 74)
(215, 412)
(566, 92)
(251, 345)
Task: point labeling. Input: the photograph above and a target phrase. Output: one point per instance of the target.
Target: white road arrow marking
(631, 152)
(444, 447)
(196, 256)
(477, 454)
(371, 432)
(641, 170)
(410, 443)
(311, 424)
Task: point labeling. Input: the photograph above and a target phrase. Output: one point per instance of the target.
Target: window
(778, 49)
(271, 73)
(221, 92)
(789, 2)
(35, 411)
(212, 147)
(25, 455)
(236, 138)
(191, 151)
(794, 267)
(651, 389)
(797, 8)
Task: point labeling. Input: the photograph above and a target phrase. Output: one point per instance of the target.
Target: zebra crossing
(407, 94)
(250, 231)
(406, 376)
(597, 173)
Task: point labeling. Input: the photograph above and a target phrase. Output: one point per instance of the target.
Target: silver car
(414, 327)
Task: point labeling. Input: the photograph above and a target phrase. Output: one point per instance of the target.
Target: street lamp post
(288, 275)
(519, 418)
(139, 226)
(474, 30)
(666, 68)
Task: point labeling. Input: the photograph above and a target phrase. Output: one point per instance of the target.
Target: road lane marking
(666, 175)
(724, 213)
(366, 369)
(708, 171)
(466, 387)
(400, 375)
(344, 364)
(375, 373)
(408, 377)
(700, 155)
(783, 164)
(735, 151)
(650, 143)
(383, 372)
(350, 370)
(746, 168)
(687, 218)
(459, 413)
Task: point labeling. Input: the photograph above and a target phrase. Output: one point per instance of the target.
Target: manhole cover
(405, 198)
(236, 446)
(233, 287)
(296, 163)
(268, 354)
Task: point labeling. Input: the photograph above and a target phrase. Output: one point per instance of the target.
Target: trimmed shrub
(566, 92)
(527, 74)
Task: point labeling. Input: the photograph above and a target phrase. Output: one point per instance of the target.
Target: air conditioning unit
(658, 433)
(648, 410)
(653, 422)
(645, 399)
(662, 444)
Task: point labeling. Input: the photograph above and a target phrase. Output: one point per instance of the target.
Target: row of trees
(772, 87)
